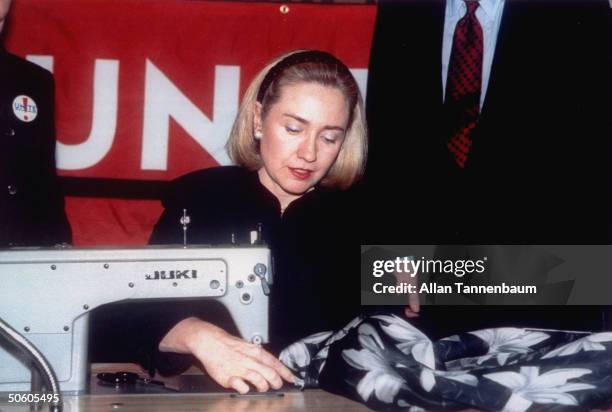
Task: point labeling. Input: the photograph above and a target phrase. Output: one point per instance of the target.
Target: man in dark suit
(537, 169)
(31, 203)
(535, 165)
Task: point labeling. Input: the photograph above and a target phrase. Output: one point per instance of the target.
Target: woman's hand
(413, 306)
(229, 360)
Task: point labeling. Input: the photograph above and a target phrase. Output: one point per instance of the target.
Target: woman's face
(301, 136)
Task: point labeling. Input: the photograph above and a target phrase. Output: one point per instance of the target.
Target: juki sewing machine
(47, 295)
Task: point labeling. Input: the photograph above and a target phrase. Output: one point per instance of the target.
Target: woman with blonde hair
(299, 139)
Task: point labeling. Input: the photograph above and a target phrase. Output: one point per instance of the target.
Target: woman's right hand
(230, 361)
(413, 307)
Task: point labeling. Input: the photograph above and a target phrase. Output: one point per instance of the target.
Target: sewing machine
(47, 294)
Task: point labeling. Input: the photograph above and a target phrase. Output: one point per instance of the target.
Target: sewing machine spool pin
(185, 220)
(259, 234)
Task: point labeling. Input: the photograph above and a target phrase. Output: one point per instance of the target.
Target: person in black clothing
(542, 126)
(299, 136)
(31, 203)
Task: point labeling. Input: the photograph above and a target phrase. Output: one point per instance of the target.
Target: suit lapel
(498, 58)
(438, 15)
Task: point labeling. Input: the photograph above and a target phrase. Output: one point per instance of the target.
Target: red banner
(147, 91)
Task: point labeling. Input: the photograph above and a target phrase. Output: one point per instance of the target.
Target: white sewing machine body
(47, 294)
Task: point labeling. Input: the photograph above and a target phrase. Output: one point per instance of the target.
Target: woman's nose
(308, 149)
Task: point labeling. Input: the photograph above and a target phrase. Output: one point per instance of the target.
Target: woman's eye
(329, 139)
(292, 130)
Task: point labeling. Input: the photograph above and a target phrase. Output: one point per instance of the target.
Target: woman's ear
(257, 121)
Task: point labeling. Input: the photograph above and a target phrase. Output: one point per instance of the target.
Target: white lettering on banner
(164, 100)
(103, 123)
(44, 61)
(361, 77)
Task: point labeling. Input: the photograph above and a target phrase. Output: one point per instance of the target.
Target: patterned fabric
(386, 363)
(464, 82)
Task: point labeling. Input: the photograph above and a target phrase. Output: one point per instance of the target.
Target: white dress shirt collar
(488, 7)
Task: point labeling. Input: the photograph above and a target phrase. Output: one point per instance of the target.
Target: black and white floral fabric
(386, 363)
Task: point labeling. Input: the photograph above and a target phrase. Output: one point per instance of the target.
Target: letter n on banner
(164, 100)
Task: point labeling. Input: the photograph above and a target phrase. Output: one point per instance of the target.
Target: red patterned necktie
(463, 84)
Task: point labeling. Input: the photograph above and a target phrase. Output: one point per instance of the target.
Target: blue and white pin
(25, 108)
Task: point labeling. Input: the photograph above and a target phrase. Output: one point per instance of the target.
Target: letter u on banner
(103, 125)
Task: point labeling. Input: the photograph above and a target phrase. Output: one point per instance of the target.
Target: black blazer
(538, 169)
(31, 201)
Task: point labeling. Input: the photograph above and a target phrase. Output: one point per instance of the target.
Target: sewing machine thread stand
(185, 220)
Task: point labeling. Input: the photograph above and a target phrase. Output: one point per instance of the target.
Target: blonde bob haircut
(242, 146)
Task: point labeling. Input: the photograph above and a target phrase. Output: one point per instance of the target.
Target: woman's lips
(301, 174)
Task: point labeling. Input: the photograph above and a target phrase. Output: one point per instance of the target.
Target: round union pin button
(25, 108)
